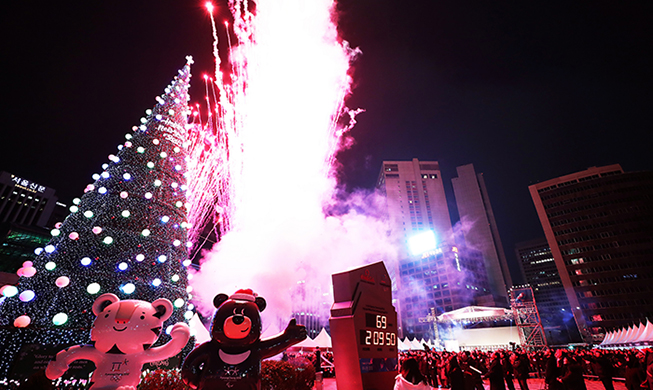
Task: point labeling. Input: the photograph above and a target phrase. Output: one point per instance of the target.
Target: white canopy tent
(633, 335)
(323, 340)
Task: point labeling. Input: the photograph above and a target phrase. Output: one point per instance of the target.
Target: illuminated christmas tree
(126, 235)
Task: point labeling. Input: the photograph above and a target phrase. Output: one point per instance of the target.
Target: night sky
(525, 91)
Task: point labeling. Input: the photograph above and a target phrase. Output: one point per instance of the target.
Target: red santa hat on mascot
(244, 294)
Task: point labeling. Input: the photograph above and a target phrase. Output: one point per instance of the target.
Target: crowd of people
(560, 369)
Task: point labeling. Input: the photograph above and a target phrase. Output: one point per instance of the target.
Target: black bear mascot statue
(232, 358)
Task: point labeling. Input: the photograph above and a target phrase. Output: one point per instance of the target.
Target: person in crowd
(603, 368)
(495, 373)
(455, 374)
(521, 369)
(552, 370)
(571, 373)
(648, 365)
(410, 378)
(507, 370)
(472, 371)
(317, 363)
(633, 372)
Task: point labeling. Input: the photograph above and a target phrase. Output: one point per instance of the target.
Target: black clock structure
(364, 329)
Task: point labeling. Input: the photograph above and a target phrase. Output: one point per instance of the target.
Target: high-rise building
(415, 198)
(552, 303)
(447, 278)
(599, 225)
(481, 233)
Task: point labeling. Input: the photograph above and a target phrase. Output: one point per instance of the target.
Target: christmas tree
(126, 235)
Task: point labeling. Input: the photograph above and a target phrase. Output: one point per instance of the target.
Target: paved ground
(533, 384)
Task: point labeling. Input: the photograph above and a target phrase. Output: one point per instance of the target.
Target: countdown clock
(364, 329)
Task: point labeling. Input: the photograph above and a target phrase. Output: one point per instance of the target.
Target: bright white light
(50, 265)
(86, 261)
(125, 213)
(157, 182)
(96, 176)
(60, 319)
(102, 190)
(145, 232)
(93, 288)
(73, 209)
(155, 141)
(175, 278)
(123, 266)
(128, 288)
(150, 164)
(156, 282)
(186, 263)
(164, 154)
(105, 174)
(188, 315)
(140, 149)
(49, 248)
(176, 243)
(108, 240)
(126, 176)
(140, 257)
(179, 303)
(9, 291)
(148, 195)
(124, 194)
(55, 232)
(38, 251)
(165, 219)
(77, 201)
(162, 258)
(422, 242)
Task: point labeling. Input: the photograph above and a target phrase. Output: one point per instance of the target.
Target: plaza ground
(533, 384)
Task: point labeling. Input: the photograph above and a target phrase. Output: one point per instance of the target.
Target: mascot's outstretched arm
(59, 365)
(180, 335)
(191, 372)
(292, 335)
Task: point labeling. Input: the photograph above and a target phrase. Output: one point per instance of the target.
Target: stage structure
(364, 329)
(527, 318)
(433, 318)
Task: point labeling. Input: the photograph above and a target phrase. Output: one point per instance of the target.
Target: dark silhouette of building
(542, 275)
(475, 208)
(28, 211)
(599, 225)
(25, 202)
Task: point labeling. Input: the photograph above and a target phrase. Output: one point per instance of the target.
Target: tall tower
(599, 225)
(416, 203)
(415, 199)
(474, 206)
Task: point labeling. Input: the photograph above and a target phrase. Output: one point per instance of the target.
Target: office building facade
(25, 202)
(415, 199)
(480, 228)
(599, 226)
(447, 278)
(553, 306)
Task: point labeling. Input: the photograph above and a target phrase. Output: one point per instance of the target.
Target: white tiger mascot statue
(122, 334)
